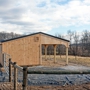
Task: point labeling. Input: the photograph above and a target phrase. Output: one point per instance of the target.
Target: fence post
(25, 78)
(10, 71)
(15, 77)
(4, 59)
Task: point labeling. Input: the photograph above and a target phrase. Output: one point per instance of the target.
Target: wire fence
(20, 74)
(6, 62)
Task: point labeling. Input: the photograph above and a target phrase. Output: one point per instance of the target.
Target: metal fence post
(24, 78)
(10, 71)
(15, 77)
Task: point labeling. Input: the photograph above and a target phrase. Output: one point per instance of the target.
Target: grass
(61, 61)
(80, 60)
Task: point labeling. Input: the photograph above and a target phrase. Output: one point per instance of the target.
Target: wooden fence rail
(23, 69)
(27, 71)
(58, 72)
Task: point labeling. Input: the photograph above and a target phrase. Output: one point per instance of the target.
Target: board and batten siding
(24, 51)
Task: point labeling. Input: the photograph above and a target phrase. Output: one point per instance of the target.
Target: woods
(79, 43)
(6, 35)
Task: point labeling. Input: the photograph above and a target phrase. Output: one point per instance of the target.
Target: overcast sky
(50, 16)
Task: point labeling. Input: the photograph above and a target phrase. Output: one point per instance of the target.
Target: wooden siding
(24, 51)
(51, 40)
(27, 50)
(1, 62)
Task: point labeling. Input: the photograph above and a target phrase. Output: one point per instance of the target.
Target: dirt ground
(68, 87)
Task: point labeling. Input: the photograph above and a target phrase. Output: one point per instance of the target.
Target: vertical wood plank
(3, 59)
(15, 77)
(25, 78)
(54, 54)
(10, 71)
(66, 55)
(46, 52)
(40, 56)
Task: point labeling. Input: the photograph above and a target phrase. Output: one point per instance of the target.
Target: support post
(15, 77)
(46, 52)
(66, 55)
(55, 53)
(40, 57)
(25, 78)
(10, 71)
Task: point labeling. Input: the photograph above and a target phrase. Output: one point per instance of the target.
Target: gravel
(37, 79)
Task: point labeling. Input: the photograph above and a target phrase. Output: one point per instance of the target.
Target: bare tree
(86, 43)
(76, 41)
(5, 35)
(59, 47)
(70, 35)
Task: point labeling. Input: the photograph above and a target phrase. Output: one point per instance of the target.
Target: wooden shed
(27, 50)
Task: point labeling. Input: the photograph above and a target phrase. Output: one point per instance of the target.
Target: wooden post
(40, 51)
(66, 55)
(15, 77)
(4, 57)
(58, 72)
(25, 78)
(54, 53)
(46, 52)
(10, 71)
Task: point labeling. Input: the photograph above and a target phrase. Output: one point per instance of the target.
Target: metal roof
(34, 34)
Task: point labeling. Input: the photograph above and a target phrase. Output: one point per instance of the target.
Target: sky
(49, 16)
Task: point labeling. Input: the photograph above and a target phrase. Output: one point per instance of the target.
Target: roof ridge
(34, 34)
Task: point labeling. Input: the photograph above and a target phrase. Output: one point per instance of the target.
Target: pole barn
(27, 50)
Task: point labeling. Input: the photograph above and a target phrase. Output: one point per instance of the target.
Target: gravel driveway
(37, 79)
(44, 79)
